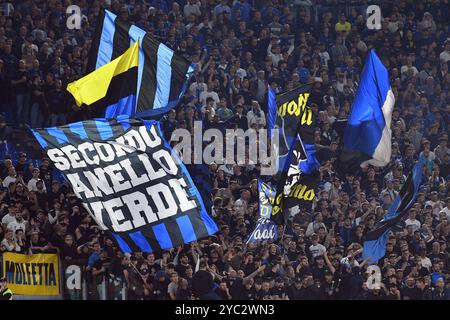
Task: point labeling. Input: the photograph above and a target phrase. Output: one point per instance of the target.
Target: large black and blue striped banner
(162, 73)
(130, 180)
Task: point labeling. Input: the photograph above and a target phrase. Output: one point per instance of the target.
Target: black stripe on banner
(50, 139)
(350, 161)
(133, 246)
(148, 233)
(116, 127)
(121, 40)
(92, 131)
(148, 81)
(93, 52)
(180, 67)
(174, 232)
(406, 195)
(198, 225)
(121, 86)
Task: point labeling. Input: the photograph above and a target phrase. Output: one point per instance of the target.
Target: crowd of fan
(240, 47)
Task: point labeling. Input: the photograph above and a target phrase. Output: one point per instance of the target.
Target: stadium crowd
(239, 48)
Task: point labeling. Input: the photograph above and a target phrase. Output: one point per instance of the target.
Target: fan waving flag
(376, 239)
(130, 181)
(162, 73)
(367, 138)
(111, 87)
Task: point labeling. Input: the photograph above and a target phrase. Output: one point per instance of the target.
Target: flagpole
(282, 239)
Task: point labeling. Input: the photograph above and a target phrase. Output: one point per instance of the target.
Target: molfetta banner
(32, 274)
(130, 181)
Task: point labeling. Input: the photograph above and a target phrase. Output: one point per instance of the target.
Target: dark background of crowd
(240, 47)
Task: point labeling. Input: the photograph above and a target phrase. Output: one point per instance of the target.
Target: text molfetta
(33, 274)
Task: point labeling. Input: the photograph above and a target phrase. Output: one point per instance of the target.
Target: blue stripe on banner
(187, 230)
(310, 164)
(104, 129)
(122, 244)
(376, 249)
(140, 240)
(78, 129)
(272, 108)
(136, 33)
(39, 138)
(124, 120)
(105, 48)
(162, 236)
(124, 106)
(209, 223)
(58, 134)
(163, 76)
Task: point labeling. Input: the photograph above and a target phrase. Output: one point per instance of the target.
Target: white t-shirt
(197, 88)
(32, 185)
(324, 58)
(405, 68)
(9, 247)
(241, 73)
(227, 169)
(172, 288)
(447, 212)
(426, 263)
(252, 118)
(205, 95)
(8, 180)
(444, 56)
(346, 261)
(437, 207)
(317, 250)
(240, 206)
(7, 219)
(415, 223)
(15, 225)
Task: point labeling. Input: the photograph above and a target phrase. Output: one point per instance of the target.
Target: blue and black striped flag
(162, 73)
(376, 239)
(130, 180)
(292, 120)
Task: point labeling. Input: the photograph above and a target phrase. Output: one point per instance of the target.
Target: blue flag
(265, 228)
(367, 139)
(294, 125)
(375, 241)
(162, 74)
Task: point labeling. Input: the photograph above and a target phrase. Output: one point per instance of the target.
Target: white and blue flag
(367, 139)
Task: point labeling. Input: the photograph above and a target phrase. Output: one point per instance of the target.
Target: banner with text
(130, 180)
(32, 274)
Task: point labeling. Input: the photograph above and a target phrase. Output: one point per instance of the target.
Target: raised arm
(252, 275)
(328, 262)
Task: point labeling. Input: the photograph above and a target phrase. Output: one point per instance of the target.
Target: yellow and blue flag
(111, 87)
